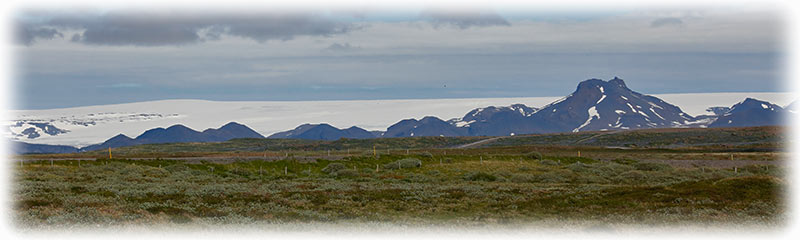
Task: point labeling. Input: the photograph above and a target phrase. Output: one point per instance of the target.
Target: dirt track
(478, 143)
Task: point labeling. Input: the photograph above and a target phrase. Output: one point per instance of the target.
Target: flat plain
(654, 177)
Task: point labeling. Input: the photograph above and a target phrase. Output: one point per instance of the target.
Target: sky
(69, 57)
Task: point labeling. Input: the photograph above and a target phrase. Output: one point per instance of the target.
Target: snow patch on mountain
(592, 115)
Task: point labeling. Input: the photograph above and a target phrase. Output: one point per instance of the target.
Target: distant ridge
(751, 112)
(595, 105)
(324, 131)
(179, 133)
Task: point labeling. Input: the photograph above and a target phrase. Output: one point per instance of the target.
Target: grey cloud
(464, 19)
(27, 35)
(286, 27)
(160, 29)
(667, 21)
(346, 47)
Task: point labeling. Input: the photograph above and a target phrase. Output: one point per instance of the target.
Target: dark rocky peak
(751, 112)
(749, 103)
(617, 82)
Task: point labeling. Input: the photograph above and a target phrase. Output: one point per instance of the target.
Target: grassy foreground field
(496, 184)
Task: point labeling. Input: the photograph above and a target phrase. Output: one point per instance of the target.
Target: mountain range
(172, 134)
(595, 105)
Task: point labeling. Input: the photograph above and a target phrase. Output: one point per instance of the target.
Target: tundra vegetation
(504, 183)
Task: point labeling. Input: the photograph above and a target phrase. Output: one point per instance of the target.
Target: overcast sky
(70, 57)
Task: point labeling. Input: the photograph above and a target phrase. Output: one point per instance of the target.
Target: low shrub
(633, 176)
(534, 155)
(479, 176)
(652, 166)
(413, 177)
(333, 167)
(521, 178)
(589, 178)
(571, 160)
(241, 172)
(155, 172)
(345, 173)
(612, 168)
(551, 177)
(548, 162)
(578, 167)
(404, 163)
(625, 161)
(179, 167)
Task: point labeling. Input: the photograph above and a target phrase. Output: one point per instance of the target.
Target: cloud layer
(140, 28)
(122, 56)
(464, 19)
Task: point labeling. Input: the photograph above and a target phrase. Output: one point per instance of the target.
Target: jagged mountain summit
(606, 105)
(324, 131)
(751, 112)
(179, 133)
